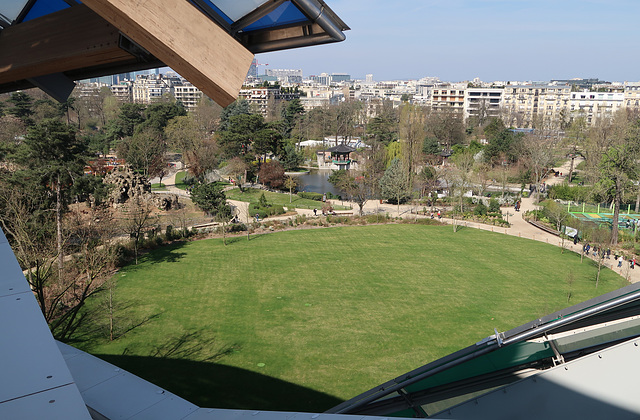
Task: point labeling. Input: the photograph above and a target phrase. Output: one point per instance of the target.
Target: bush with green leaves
(310, 195)
(480, 210)
(262, 201)
(265, 211)
(494, 206)
(569, 193)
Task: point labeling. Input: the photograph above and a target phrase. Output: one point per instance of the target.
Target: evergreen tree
(238, 136)
(239, 107)
(291, 159)
(22, 107)
(53, 156)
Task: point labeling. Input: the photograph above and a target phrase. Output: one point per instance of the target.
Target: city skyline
(491, 39)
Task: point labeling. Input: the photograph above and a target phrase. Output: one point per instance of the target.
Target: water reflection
(317, 181)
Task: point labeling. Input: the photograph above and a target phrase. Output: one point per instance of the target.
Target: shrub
(237, 227)
(568, 193)
(480, 210)
(494, 206)
(262, 201)
(310, 195)
(265, 211)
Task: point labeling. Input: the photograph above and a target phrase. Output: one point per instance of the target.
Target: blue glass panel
(217, 10)
(44, 7)
(287, 13)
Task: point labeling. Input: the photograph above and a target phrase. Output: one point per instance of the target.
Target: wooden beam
(182, 37)
(71, 39)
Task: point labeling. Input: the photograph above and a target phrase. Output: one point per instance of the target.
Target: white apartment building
(263, 97)
(632, 96)
(482, 102)
(285, 75)
(595, 105)
(448, 97)
(188, 94)
(123, 91)
(524, 104)
(147, 89)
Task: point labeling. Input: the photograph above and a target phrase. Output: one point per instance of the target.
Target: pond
(317, 181)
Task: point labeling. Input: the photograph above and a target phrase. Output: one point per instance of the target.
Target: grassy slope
(252, 195)
(335, 311)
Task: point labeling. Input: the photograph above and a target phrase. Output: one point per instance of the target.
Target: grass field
(158, 187)
(179, 180)
(252, 195)
(302, 320)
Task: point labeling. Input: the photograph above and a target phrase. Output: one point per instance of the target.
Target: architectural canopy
(51, 43)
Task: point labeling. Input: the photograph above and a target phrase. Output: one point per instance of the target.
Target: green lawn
(313, 317)
(252, 195)
(158, 187)
(179, 180)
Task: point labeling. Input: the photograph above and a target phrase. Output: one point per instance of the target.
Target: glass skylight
(235, 9)
(11, 9)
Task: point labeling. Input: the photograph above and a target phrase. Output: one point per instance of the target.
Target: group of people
(606, 253)
(439, 215)
(324, 212)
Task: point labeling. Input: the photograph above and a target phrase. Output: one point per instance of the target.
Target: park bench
(544, 227)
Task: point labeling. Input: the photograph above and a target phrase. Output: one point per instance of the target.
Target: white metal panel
(12, 280)
(224, 414)
(171, 407)
(59, 403)
(29, 358)
(602, 385)
(35, 382)
(88, 371)
(123, 396)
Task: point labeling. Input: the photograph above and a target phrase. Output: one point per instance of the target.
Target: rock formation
(128, 185)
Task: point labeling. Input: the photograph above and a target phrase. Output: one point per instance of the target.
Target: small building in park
(341, 156)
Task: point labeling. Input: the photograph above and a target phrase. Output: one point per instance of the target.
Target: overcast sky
(458, 40)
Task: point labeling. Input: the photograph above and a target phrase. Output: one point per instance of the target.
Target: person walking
(620, 259)
(315, 212)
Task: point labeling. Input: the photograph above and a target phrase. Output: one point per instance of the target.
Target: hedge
(265, 211)
(310, 195)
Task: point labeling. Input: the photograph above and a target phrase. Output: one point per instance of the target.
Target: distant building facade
(261, 98)
(525, 104)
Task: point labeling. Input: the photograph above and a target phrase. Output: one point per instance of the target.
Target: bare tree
(412, 133)
(137, 219)
(290, 182)
(538, 153)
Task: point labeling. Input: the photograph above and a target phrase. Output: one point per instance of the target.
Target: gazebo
(340, 155)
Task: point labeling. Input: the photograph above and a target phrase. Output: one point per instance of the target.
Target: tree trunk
(600, 256)
(571, 170)
(110, 314)
(224, 234)
(59, 227)
(616, 214)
